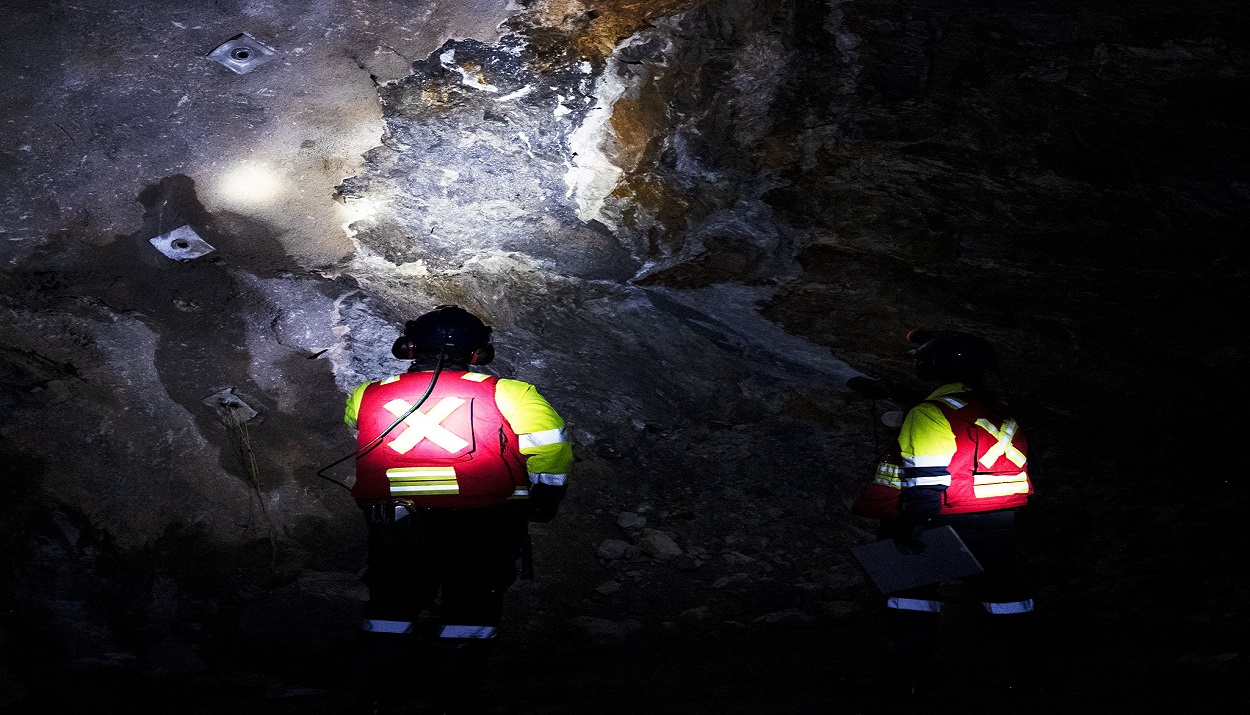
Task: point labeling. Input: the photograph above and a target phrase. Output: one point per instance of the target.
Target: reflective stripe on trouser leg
(555, 480)
(914, 604)
(1025, 606)
(377, 625)
(473, 632)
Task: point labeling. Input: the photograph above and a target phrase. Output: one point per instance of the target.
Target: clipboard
(944, 558)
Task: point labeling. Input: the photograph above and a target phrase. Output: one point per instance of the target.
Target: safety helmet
(460, 336)
(950, 356)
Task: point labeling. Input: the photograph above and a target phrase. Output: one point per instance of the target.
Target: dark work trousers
(990, 536)
(467, 555)
(465, 559)
(913, 613)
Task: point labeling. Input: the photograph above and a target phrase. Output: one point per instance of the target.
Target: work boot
(907, 663)
(377, 665)
(1025, 649)
(460, 669)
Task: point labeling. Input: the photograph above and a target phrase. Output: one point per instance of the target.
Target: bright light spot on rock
(516, 95)
(362, 208)
(251, 183)
(593, 176)
(358, 209)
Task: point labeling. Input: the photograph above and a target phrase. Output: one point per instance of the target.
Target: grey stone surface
(11, 689)
(175, 656)
(611, 549)
(628, 520)
(603, 632)
(689, 223)
(314, 614)
(657, 544)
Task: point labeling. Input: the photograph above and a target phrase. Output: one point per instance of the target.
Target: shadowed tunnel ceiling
(689, 222)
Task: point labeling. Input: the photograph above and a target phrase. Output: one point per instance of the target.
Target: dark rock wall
(690, 223)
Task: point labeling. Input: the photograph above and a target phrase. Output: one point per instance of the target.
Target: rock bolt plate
(242, 53)
(181, 244)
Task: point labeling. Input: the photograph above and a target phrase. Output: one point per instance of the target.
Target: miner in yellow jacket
(964, 465)
(451, 466)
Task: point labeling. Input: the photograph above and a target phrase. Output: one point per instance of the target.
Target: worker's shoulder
(507, 385)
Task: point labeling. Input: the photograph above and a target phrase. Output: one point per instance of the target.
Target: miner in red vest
(452, 464)
(964, 462)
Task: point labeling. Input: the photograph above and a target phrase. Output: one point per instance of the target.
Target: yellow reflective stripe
(889, 475)
(431, 488)
(389, 380)
(422, 480)
(999, 478)
(475, 377)
(985, 486)
(420, 474)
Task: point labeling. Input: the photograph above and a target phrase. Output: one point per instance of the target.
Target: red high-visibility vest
(988, 471)
(456, 451)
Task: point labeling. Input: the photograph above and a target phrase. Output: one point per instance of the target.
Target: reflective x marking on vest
(426, 425)
(1003, 446)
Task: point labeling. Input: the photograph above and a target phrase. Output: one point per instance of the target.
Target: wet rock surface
(689, 223)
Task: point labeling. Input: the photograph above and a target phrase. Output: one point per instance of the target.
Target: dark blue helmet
(453, 331)
(950, 356)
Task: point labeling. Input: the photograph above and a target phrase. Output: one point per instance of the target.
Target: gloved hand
(544, 502)
(907, 539)
(917, 507)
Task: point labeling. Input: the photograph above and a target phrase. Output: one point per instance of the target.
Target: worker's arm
(353, 406)
(548, 453)
(927, 445)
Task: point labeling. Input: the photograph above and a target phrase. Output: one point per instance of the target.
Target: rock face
(689, 223)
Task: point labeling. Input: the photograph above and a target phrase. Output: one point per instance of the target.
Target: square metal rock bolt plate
(228, 405)
(181, 244)
(242, 53)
